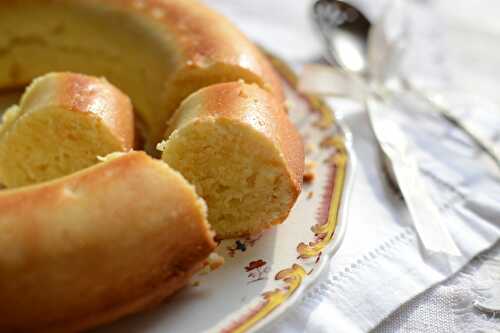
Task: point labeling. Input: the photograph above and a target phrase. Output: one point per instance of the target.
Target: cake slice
(235, 143)
(62, 124)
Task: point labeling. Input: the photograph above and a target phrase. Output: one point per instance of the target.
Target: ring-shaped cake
(120, 236)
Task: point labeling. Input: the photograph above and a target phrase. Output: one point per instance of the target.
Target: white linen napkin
(380, 265)
(449, 307)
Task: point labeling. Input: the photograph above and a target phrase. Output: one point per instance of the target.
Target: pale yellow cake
(156, 51)
(84, 250)
(234, 142)
(62, 124)
(121, 235)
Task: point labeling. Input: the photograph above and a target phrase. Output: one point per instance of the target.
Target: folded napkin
(381, 265)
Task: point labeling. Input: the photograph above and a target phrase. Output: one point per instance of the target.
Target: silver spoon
(345, 32)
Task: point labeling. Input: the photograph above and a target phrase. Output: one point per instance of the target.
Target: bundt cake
(156, 51)
(62, 124)
(234, 142)
(119, 236)
(83, 250)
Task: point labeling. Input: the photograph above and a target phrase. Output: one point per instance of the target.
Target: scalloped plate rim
(332, 247)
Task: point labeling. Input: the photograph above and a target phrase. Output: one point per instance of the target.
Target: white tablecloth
(379, 271)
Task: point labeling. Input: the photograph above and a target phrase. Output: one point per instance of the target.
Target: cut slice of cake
(62, 124)
(234, 142)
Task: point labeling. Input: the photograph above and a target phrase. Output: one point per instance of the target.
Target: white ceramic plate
(266, 274)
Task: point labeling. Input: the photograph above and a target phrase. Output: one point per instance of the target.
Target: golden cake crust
(205, 38)
(120, 236)
(247, 107)
(253, 106)
(193, 46)
(82, 250)
(85, 94)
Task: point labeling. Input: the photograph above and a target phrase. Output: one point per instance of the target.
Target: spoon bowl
(345, 31)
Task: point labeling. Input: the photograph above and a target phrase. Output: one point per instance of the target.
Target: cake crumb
(195, 283)
(213, 262)
(111, 156)
(309, 173)
(310, 195)
(309, 177)
(242, 93)
(161, 146)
